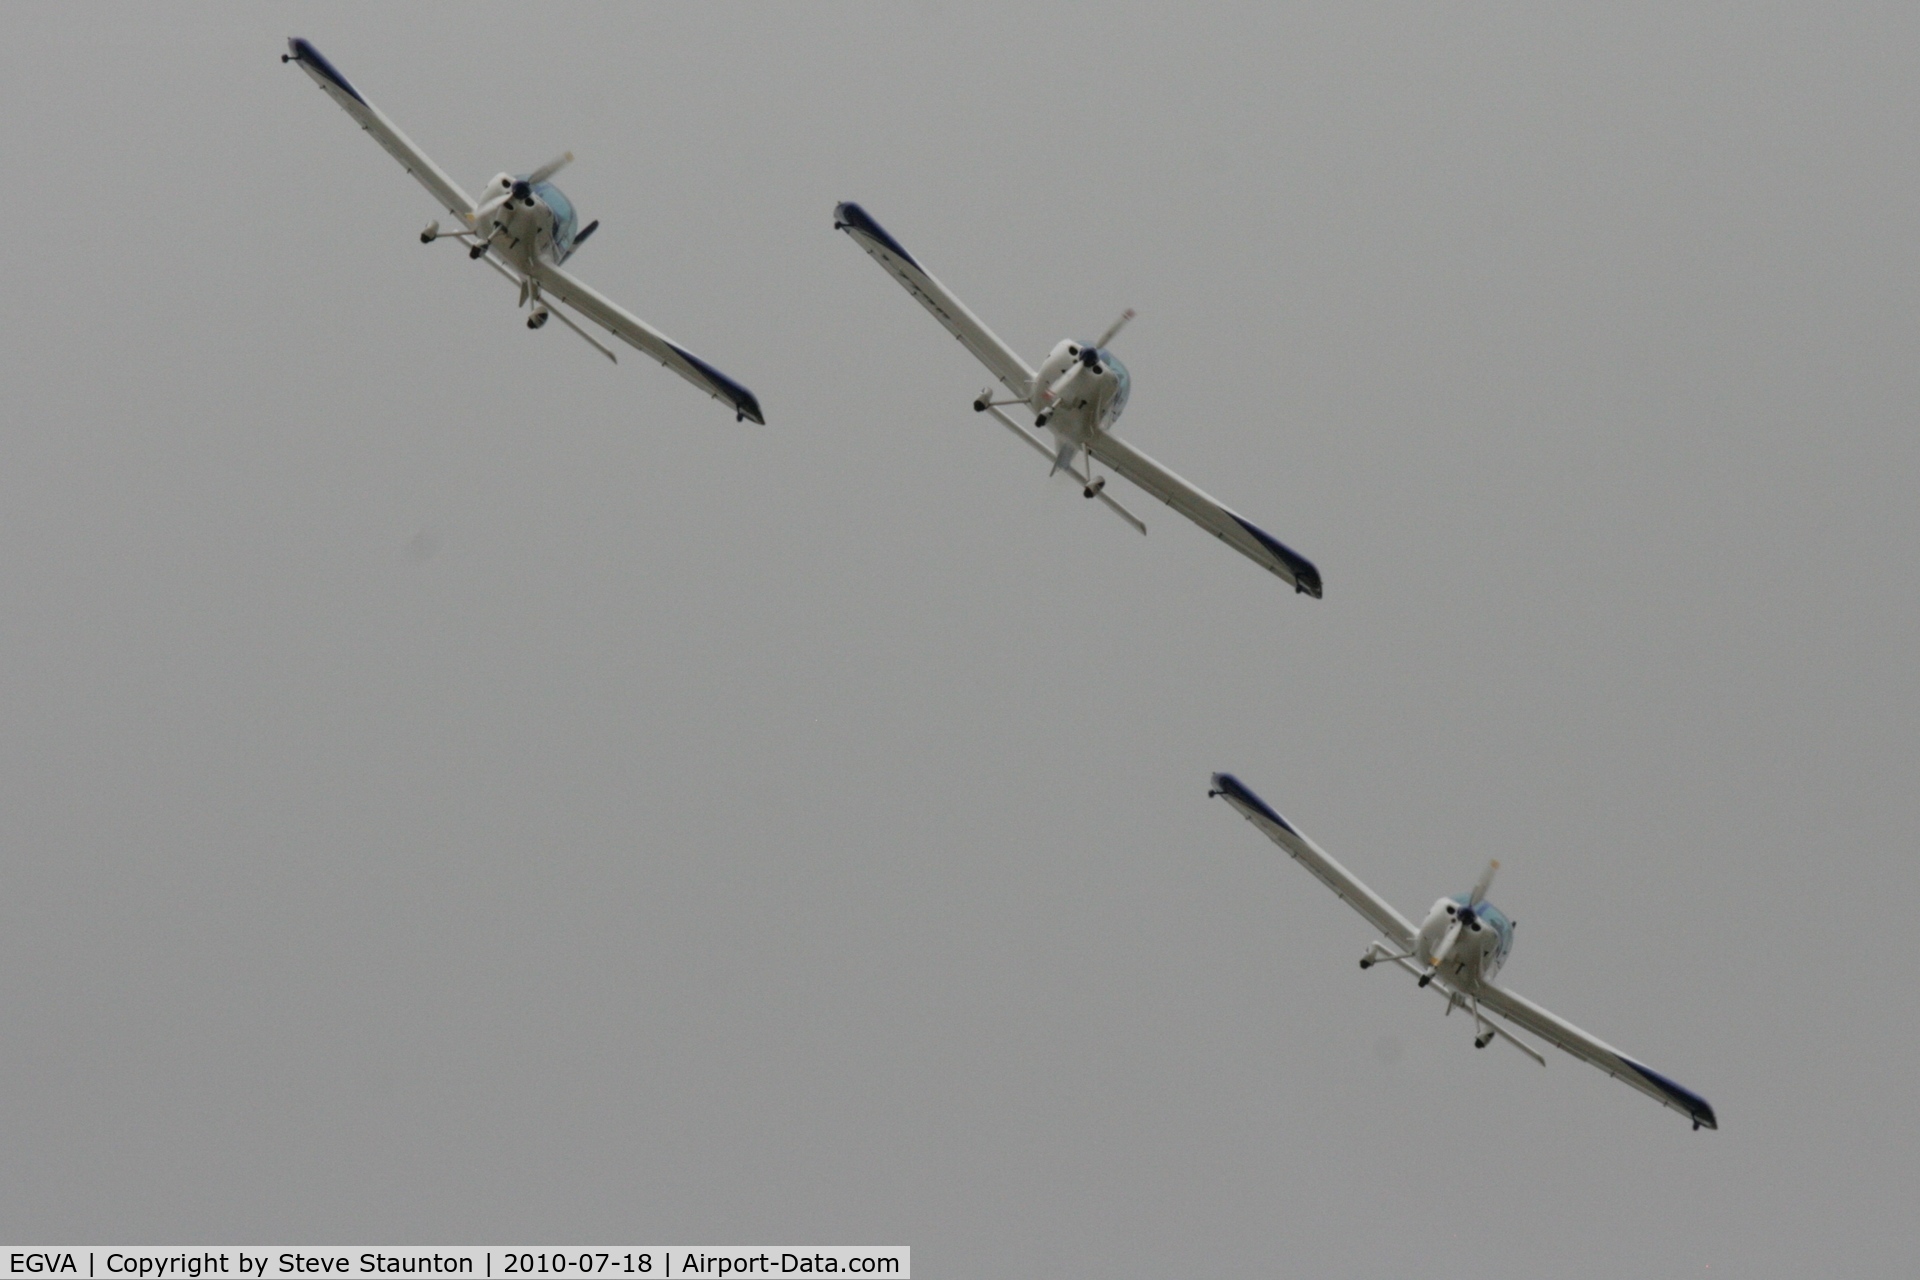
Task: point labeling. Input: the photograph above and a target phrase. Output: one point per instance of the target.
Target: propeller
(1466, 917)
(523, 187)
(551, 167)
(1090, 354)
(1114, 329)
(1479, 893)
(1088, 357)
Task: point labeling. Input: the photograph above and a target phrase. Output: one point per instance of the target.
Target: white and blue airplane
(1456, 951)
(524, 227)
(1076, 395)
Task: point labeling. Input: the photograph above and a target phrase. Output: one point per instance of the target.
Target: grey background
(456, 790)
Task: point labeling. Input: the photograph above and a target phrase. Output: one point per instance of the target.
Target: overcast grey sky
(457, 790)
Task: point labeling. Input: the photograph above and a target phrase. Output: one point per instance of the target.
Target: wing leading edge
(638, 333)
(1001, 360)
(1377, 910)
(1524, 1013)
(1218, 519)
(384, 131)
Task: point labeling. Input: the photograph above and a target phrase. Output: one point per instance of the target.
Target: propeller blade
(1445, 948)
(1115, 328)
(1480, 889)
(551, 167)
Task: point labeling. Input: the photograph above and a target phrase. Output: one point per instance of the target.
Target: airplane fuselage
(526, 221)
(1079, 392)
(1468, 943)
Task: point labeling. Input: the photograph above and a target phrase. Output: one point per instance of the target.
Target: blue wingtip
(1306, 578)
(1225, 784)
(745, 405)
(848, 216)
(1690, 1102)
(302, 50)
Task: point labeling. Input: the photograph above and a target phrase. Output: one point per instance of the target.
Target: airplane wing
(1217, 519)
(1000, 359)
(397, 144)
(1376, 909)
(637, 333)
(1526, 1014)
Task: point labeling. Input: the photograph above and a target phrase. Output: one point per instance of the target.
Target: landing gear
(478, 251)
(1425, 978)
(980, 405)
(1093, 490)
(1366, 962)
(538, 318)
(1041, 421)
(1481, 1042)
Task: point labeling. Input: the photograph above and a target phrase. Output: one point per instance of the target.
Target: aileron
(384, 131)
(1222, 521)
(1377, 911)
(1001, 360)
(1563, 1035)
(642, 336)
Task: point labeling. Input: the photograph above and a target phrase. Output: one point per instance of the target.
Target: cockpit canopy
(1120, 376)
(566, 223)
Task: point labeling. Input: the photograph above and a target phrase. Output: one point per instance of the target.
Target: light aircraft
(524, 228)
(1077, 394)
(1456, 951)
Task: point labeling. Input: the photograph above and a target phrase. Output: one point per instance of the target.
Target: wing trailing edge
(1218, 519)
(1590, 1049)
(642, 336)
(384, 131)
(1002, 361)
(1376, 910)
